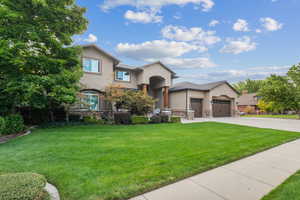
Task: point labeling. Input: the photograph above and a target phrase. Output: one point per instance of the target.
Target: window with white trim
(91, 100)
(91, 65)
(122, 75)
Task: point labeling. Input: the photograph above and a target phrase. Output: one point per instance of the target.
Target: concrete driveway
(280, 124)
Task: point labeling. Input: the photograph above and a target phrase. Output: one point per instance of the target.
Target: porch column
(166, 97)
(145, 89)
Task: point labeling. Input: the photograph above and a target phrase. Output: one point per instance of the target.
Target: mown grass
(118, 162)
(289, 190)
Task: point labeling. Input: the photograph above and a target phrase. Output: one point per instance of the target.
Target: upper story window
(122, 75)
(91, 100)
(91, 65)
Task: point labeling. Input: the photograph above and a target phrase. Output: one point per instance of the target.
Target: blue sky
(201, 40)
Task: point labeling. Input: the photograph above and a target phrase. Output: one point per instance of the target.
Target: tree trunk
(51, 116)
(67, 116)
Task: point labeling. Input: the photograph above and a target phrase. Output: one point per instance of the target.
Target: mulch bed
(5, 138)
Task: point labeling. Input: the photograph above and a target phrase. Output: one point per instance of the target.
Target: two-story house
(101, 70)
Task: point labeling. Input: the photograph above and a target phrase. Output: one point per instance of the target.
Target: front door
(196, 105)
(221, 108)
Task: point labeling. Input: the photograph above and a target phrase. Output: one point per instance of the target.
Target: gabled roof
(248, 99)
(198, 87)
(101, 50)
(160, 63)
(135, 68)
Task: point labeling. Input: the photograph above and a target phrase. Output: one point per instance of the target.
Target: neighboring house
(248, 103)
(102, 70)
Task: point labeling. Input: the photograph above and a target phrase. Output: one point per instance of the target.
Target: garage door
(221, 108)
(196, 105)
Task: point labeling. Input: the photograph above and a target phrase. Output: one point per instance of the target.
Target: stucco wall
(100, 80)
(154, 70)
(224, 90)
(133, 82)
(178, 100)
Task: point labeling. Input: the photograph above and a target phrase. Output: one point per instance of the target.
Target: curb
(53, 192)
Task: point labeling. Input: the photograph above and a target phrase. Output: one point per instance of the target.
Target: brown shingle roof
(198, 87)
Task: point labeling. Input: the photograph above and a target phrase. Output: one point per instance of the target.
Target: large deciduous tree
(38, 66)
(251, 86)
(283, 91)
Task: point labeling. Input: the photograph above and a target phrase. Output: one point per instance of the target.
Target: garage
(221, 108)
(197, 107)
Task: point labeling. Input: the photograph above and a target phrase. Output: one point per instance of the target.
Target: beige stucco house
(102, 69)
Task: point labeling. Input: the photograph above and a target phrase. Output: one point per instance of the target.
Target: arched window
(91, 100)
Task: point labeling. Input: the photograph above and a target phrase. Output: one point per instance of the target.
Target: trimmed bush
(155, 119)
(2, 125)
(92, 120)
(75, 118)
(23, 186)
(139, 120)
(175, 119)
(122, 118)
(164, 118)
(14, 124)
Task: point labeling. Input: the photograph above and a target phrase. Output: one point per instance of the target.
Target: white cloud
(91, 38)
(235, 75)
(271, 24)
(241, 25)
(213, 23)
(143, 17)
(239, 45)
(157, 49)
(189, 63)
(258, 31)
(155, 4)
(194, 34)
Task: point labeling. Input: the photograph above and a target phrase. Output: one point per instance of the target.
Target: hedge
(175, 119)
(23, 186)
(155, 119)
(139, 120)
(14, 124)
(92, 120)
(122, 118)
(164, 118)
(2, 125)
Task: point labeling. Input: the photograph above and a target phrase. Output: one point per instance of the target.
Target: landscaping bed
(23, 186)
(118, 162)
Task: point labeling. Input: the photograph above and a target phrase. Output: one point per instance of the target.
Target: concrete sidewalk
(247, 179)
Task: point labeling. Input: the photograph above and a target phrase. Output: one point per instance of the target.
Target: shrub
(2, 125)
(14, 124)
(175, 119)
(164, 118)
(21, 186)
(92, 120)
(75, 118)
(139, 120)
(155, 119)
(122, 118)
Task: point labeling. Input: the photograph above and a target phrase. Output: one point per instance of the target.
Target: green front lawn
(274, 116)
(118, 162)
(289, 190)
